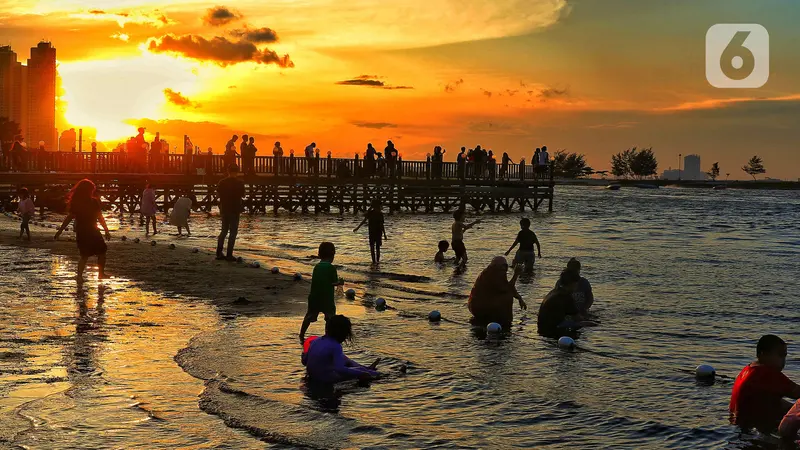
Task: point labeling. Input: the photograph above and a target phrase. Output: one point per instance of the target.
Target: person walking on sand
(180, 215)
(84, 207)
(457, 241)
(26, 210)
(324, 280)
(377, 230)
(148, 209)
(230, 190)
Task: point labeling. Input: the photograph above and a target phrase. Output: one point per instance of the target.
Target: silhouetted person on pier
(277, 153)
(491, 165)
(309, 154)
(544, 160)
(17, 154)
(251, 156)
(461, 161)
(391, 158)
(437, 159)
(535, 161)
(140, 144)
(504, 166)
(244, 152)
(369, 160)
(229, 158)
(155, 154)
(230, 190)
(210, 161)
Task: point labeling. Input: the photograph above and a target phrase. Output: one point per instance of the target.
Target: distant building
(691, 168)
(671, 174)
(28, 93)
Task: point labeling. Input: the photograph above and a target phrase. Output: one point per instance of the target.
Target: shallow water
(682, 277)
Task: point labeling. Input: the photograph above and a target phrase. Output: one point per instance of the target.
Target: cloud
(551, 93)
(453, 85)
(374, 125)
(613, 125)
(488, 94)
(511, 93)
(154, 18)
(218, 50)
(718, 103)
(370, 81)
(220, 15)
(257, 35)
(176, 98)
(121, 36)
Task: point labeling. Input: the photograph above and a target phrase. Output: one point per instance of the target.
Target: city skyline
(543, 73)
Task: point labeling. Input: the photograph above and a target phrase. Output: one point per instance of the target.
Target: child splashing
(325, 360)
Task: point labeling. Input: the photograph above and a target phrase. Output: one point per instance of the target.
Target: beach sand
(159, 299)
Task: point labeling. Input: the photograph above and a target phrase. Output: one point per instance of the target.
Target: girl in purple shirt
(325, 360)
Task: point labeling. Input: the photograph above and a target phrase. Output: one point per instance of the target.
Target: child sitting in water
(325, 360)
(323, 282)
(26, 209)
(443, 246)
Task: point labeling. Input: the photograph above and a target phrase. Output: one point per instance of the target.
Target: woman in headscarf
(492, 296)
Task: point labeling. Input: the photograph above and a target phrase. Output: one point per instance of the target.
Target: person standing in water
(148, 209)
(526, 239)
(26, 209)
(377, 230)
(324, 280)
(492, 296)
(84, 207)
(757, 398)
(180, 215)
(231, 190)
(458, 229)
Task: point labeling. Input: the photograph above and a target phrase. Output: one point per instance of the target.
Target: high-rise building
(13, 88)
(691, 168)
(28, 93)
(42, 96)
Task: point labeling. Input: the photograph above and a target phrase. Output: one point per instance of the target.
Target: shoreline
(693, 184)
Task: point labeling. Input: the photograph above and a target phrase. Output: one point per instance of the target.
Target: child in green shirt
(323, 282)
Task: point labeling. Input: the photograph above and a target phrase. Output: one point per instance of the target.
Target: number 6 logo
(737, 56)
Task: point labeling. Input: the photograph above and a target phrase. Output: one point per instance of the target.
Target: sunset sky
(590, 76)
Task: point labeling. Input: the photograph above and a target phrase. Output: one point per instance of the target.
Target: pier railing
(203, 164)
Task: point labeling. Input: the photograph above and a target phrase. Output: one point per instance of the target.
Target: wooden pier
(295, 185)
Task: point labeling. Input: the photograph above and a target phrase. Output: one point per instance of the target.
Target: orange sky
(587, 76)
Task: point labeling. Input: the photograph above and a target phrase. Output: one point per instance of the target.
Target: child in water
(323, 282)
(325, 360)
(377, 230)
(26, 209)
(443, 246)
(458, 229)
(526, 239)
(148, 209)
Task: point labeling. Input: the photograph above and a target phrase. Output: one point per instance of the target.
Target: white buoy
(380, 303)
(255, 264)
(494, 327)
(298, 276)
(195, 250)
(566, 343)
(172, 246)
(136, 240)
(275, 270)
(434, 316)
(704, 371)
(350, 294)
(152, 243)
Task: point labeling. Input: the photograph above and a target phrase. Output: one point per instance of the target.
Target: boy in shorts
(323, 282)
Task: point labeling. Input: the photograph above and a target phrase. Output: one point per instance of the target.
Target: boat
(720, 187)
(646, 186)
(613, 187)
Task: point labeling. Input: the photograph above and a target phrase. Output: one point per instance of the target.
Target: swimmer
(325, 360)
(757, 399)
(443, 246)
(583, 296)
(558, 313)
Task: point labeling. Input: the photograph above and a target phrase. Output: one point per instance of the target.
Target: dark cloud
(97, 11)
(453, 85)
(218, 49)
(176, 98)
(486, 93)
(370, 81)
(220, 15)
(511, 93)
(551, 93)
(374, 125)
(232, 87)
(256, 36)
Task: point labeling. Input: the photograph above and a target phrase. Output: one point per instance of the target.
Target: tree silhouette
(714, 172)
(570, 165)
(754, 167)
(620, 163)
(643, 163)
